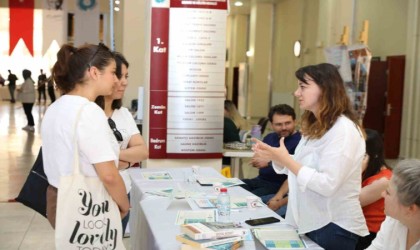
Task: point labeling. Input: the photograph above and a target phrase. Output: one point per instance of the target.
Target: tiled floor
(20, 227)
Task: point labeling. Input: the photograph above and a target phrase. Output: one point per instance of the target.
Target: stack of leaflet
(212, 235)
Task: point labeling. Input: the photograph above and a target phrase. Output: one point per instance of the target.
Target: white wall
(387, 25)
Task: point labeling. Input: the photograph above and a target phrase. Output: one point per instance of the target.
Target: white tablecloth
(152, 221)
(237, 156)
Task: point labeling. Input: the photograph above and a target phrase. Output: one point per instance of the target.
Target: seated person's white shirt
(391, 236)
(125, 123)
(328, 184)
(93, 138)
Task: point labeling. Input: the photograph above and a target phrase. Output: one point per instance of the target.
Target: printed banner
(86, 22)
(53, 5)
(54, 23)
(54, 27)
(21, 24)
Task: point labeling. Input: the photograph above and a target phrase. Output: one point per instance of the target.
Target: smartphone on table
(262, 221)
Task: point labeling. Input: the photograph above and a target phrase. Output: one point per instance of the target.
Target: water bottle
(256, 132)
(223, 206)
(195, 174)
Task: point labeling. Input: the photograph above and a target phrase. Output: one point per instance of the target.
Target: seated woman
(401, 228)
(375, 180)
(230, 127)
(232, 113)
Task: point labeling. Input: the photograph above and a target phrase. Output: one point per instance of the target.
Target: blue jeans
(333, 237)
(281, 211)
(124, 221)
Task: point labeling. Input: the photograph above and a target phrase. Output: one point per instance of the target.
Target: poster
(353, 63)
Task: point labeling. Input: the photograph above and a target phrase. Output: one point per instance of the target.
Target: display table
(152, 220)
(236, 156)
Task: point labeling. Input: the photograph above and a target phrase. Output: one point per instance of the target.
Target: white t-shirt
(391, 236)
(124, 123)
(57, 130)
(328, 185)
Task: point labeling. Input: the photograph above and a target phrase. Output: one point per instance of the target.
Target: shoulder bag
(87, 216)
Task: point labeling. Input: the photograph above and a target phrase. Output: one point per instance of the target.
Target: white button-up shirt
(391, 236)
(328, 185)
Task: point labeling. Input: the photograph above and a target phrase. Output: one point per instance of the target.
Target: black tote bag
(34, 191)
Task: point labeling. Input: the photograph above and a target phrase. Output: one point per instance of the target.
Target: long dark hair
(120, 61)
(375, 150)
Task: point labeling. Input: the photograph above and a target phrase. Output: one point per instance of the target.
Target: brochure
(278, 238)
(213, 230)
(195, 216)
(210, 202)
(159, 176)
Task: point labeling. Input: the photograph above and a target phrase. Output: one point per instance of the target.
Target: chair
(226, 172)
(263, 123)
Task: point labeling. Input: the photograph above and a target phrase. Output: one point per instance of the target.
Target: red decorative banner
(21, 23)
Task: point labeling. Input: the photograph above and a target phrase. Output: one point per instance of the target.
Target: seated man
(268, 182)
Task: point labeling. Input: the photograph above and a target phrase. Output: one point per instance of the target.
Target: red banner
(21, 23)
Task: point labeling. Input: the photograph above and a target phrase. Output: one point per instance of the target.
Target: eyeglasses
(100, 45)
(117, 133)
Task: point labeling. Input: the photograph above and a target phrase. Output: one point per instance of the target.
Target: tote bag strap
(76, 164)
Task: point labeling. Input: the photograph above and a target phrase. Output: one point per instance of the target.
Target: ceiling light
(249, 53)
(117, 8)
(117, 2)
(239, 3)
(297, 47)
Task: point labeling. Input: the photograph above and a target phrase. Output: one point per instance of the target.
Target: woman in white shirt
(81, 74)
(325, 171)
(401, 228)
(131, 147)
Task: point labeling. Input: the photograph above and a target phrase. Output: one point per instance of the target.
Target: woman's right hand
(276, 203)
(123, 213)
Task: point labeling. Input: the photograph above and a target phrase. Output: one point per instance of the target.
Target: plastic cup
(217, 186)
(252, 202)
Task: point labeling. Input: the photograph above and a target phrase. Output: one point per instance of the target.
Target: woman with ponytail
(81, 74)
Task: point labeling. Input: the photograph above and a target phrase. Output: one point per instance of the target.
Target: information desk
(236, 155)
(152, 221)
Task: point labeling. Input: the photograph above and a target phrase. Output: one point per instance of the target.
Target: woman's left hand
(262, 150)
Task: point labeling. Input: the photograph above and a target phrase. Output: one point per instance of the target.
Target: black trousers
(27, 107)
(51, 93)
(12, 92)
(41, 91)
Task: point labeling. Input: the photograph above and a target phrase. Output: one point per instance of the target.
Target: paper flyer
(157, 176)
(195, 216)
